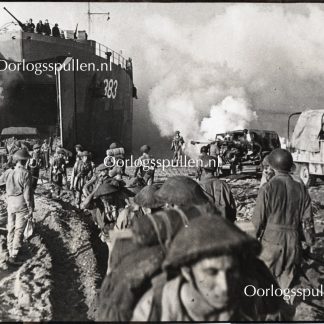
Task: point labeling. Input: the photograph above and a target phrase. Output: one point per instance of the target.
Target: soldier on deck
(20, 202)
(39, 27)
(218, 190)
(47, 28)
(56, 31)
(30, 26)
(283, 218)
(176, 146)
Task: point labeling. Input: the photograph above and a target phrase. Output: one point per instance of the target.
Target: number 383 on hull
(75, 89)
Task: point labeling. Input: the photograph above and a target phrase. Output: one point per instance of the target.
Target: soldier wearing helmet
(116, 153)
(267, 171)
(58, 170)
(203, 153)
(81, 173)
(34, 164)
(283, 218)
(45, 150)
(210, 262)
(78, 150)
(146, 165)
(181, 190)
(176, 146)
(217, 190)
(20, 202)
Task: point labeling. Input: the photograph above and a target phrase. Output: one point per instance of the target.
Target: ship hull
(92, 106)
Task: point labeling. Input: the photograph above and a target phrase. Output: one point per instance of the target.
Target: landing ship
(92, 105)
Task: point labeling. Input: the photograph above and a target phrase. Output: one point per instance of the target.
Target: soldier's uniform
(34, 165)
(20, 202)
(218, 190)
(81, 173)
(283, 218)
(204, 239)
(176, 146)
(146, 167)
(45, 150)
(58, 170)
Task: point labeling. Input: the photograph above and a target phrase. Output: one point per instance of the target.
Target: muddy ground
(66, 261)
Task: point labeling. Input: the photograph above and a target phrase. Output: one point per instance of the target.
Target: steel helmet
(181, 190)
(113, 146)
(204, 149)
(177, 132)
(281, 160)
(84, 153)
(146, 197)
(145, 149)
(36, 146)
(209, 235)
(21, 155)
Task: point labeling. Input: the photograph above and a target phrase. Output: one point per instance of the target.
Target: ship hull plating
(89, 104)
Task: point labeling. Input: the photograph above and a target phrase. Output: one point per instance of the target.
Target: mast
(94, 13)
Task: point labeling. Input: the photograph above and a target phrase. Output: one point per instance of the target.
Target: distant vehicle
(307, 145)
(242, 151)
(28, 136)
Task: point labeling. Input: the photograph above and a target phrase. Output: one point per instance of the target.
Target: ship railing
(116, 58)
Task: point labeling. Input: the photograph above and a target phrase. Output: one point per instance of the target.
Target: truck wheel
(303, 172)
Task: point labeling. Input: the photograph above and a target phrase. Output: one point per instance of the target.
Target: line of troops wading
(175, 253)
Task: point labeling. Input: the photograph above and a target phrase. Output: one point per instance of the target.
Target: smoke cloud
(230, 114)
(250, 66)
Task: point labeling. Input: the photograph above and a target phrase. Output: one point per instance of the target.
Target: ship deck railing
(116, 58)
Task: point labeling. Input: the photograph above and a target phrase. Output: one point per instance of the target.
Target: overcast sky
(190, 57)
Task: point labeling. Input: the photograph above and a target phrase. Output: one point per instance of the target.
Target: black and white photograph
(161, 162)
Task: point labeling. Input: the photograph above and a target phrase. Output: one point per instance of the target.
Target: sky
(204, 68)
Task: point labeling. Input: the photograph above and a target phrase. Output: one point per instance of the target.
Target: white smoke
(230, 114)
(269, 55)
(211, 77)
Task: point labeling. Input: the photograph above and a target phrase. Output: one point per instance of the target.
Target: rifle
(76, 29)
(22, 26)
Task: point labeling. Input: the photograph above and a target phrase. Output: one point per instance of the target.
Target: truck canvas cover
(12, 131)
(305, 136)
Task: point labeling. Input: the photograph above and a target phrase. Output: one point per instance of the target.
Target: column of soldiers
(195, 262)
(175, 253)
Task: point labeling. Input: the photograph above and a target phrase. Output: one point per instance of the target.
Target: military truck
(242, 151)
(28, 136)
(307, 145)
